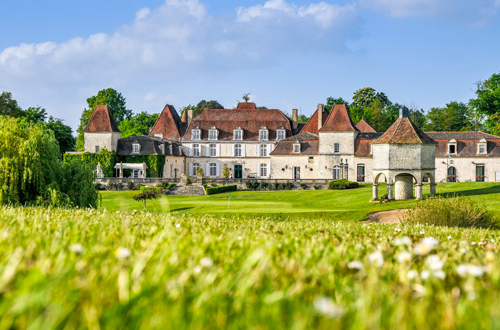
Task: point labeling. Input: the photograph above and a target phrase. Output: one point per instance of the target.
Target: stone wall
(108, 141)
(466, 168)
(345, 140)
(403, 156)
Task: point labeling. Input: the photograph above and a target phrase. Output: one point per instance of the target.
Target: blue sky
(287, 54)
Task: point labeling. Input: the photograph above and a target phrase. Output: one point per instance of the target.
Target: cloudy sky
(286, 53)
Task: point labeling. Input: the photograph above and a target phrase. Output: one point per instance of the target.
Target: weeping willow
(31, 171)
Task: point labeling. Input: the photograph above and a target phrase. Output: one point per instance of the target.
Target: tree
(187, 107)
(145, 195)
(455, 116)
(488, 99)
(202, 105)
(365, 96)
(9, 106)
(225, 171)
(63, 134)
(331, 102)
(35, 115)
(140, 124)
(116, 105)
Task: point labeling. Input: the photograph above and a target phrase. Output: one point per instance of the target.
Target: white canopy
(130, 166)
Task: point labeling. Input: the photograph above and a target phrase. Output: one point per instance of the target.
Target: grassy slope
(337, 204)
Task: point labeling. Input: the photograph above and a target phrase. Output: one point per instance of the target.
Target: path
(391, 216)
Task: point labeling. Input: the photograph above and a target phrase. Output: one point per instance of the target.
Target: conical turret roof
(101, 121)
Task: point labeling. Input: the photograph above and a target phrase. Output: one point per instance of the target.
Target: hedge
(154, 163)
(144, 188)
(105, 157)
(221, 189)
(342, 184)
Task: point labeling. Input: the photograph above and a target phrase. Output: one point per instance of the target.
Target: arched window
(452, 174)
(336, 172)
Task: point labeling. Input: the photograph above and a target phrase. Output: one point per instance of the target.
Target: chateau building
(265, 144)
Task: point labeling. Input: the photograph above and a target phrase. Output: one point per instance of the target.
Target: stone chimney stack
(404, 112)
(295, 118)
(320, 116)
(190, 113)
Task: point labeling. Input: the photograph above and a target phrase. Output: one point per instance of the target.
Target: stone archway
(375, 185)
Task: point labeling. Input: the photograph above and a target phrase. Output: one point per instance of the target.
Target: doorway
(296, 173)
(238, 171)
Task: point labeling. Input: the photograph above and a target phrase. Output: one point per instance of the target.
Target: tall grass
(454, 211)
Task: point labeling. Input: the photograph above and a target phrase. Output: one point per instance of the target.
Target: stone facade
(93, 142)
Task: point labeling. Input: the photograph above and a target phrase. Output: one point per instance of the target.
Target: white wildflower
(122, 253)
(473, 243)
(77, 248)
(422, 232)
(490, 256)
(403, 241)
(425, 246)
(404, 257)
(398, 230)
(240, 238)
(472, 270)
(434, 263)
(178, 225)
(206, 262)
(439, 274)
(355, 265)
(425, 274)
(449, 237)
(412, 274)
(197, 269)
(327, 307)
(463, 250)
(376, 258)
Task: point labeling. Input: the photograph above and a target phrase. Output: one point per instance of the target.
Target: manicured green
(81, 269)
(351, 204)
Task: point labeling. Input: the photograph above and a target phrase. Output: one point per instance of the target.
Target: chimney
(320, 116)
(295, 119)
(190, 113)
(404, 112)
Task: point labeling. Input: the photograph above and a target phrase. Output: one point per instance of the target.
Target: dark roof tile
(404, 131)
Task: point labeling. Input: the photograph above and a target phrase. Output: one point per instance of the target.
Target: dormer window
(238, 133)
(281, 134)
(481, 147)
(196, 133)
(213, 133)
(452, 147)
(263, 133)
(136, 147)
(296, 147)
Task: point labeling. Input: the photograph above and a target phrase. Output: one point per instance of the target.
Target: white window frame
(212, 135)
(296, 148)
(481, 149)
(196, 134)
(196, 166)
(213, 169)
(263, 150)
(196, 150)
(452, 143)
(336, 148)
(162, 148)
(171, 170)
(482, 144)
(136, 148)
(237, 150)
(281, 132)
(263, 134)
(263, 170)
(336, 172)
(212, 150)
(238, 134)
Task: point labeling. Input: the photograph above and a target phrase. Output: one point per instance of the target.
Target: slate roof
(404, 131)
(101, 121)
(339, 120)
(150, 145)
(246, 117)
(364, 126)
(312, 124)
(471, 135)
(466, 143)
(168, 123)
(309, 145)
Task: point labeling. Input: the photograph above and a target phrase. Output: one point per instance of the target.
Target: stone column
(418, 191)
(374, 192)
(433, 189)
(390, 194)
(403, 187)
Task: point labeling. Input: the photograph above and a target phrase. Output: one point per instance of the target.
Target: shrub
(188, 181)
(252, 185)
(277, 186)
(171, 186)
(144, 188)
(111, 185)
(264, 185)
(303, 186)
(451, 212)
(213, 185)
(288, 186)
(221, 189)
(130, 186)
(162, 185)
(119, 186)
(342, 184)
(316, 187)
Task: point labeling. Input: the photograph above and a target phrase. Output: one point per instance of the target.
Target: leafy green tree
(140, 124)
(145, 195)
(455, 116)
(117, 107)
(9, 106)
(330, 102)
(365, 96)
(63, 134)
(189, 106)
(35, 115)
(202, 105)
(487, 101)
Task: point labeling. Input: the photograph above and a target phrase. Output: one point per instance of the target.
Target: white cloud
(464, 12)
(150, 96)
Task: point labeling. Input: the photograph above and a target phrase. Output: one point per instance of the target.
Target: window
(452, 174)
(96, 149)
(237, 150)
(361, 173)
(196, 150)
(482, 149)
(136, 147)
(213, 150)
(195, 134)
(296, 148)
(162, 148)
(263, 169)
(263, 134)
(212, 133)
(196, 166)
(336, 148)
(479, 173)
(171, 170)
(336, 172)
(238, 134)
(311, 159)
(263, 150)
(452, 149)
(281, 134)
(213, 169)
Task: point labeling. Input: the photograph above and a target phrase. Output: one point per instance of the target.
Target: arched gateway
(404, 155)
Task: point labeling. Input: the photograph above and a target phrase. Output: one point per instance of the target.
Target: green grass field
(190, 264)
(332, 204)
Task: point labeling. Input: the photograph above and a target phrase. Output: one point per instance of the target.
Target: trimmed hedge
(144, 188)
(342, 184)
(105, 157)
(221, 189)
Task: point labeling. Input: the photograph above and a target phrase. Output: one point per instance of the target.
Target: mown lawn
(332, 204)
(88, 269)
